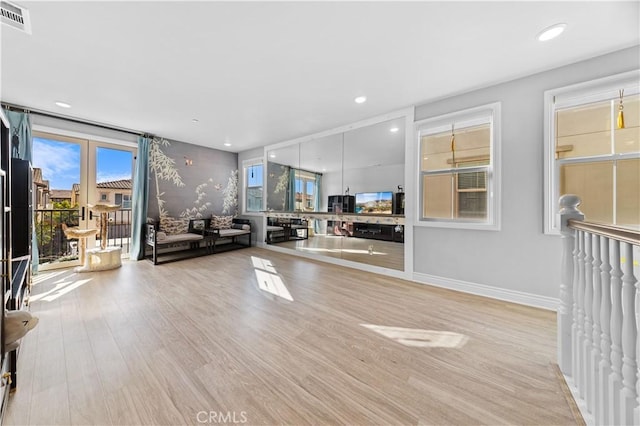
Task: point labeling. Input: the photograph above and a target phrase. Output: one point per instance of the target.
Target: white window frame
(568, 96)
(491, 114)
(126, 200)
(246, 164)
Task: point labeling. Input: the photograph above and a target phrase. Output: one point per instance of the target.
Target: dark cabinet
(341, 204)
(21, 207)
(377, 231)
(15, 249)
(398, 203)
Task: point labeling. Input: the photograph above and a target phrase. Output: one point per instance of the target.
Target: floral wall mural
(191, 181)
(277, 186)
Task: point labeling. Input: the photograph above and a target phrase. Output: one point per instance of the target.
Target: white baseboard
(522, 298)
(519, 297)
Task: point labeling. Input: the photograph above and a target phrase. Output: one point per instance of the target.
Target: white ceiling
(260, 73)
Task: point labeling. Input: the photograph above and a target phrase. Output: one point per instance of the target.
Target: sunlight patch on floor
(354, 251)
(319, 249)
(61, 288)
(264, 264)
(268, 278)
(44, 276)
(351, 251)
(419, 338)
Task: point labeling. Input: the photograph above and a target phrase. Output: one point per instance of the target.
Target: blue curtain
(317, 200)
(140, 198)
(292, 190)
(22, 148)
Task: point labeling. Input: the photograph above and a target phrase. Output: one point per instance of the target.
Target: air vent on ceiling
(15, 16)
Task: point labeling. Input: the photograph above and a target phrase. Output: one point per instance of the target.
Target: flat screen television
(374, 202)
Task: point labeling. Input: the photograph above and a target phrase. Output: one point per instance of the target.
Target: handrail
(615, 232)
(597, 321)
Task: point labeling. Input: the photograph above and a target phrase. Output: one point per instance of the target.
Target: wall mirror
(347, 195)
(282, 166)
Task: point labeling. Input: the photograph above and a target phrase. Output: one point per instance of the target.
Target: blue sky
(365, 197)
(60, 163)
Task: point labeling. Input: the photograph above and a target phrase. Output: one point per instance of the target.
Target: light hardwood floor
(176, 343)
(386, 254)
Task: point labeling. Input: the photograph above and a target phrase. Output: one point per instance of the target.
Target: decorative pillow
(172, 225)
(242, 226)
(197, 224)
(161, 236)
(221, 222)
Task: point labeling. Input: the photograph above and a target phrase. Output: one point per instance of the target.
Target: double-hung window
(459, 169)
(593, 150)
(254, 186)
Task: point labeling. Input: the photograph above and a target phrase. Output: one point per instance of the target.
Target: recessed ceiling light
(394, 129)
(360, 99)
(551, 32)
(227, 144)
(63, 104)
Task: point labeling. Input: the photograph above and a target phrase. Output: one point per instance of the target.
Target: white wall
(371, 179)
(519, 258)
(78, 129)
(519, 262)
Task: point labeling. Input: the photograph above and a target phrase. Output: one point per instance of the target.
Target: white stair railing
(597, 317)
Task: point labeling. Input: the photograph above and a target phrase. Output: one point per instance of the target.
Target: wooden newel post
(568, 210)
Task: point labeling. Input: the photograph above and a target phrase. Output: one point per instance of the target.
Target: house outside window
(305, 191)
(590, 154)
(124, 200)
(254, 187)
(104, 196)
(459, 169)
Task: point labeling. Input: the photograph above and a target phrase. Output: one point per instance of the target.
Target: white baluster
(595, 337)
(629, 338)
(636, 416)
(568, 210)
(604, 369)
(588, 320)
(579, 319)
(615, 378)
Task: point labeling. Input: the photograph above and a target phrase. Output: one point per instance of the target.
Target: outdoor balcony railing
(54, 246)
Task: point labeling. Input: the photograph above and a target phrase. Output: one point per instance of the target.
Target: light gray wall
(519, 257)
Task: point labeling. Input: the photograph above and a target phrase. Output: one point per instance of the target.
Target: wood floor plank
(172, 343)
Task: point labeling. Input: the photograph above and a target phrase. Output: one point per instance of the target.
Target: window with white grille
(459, 165)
